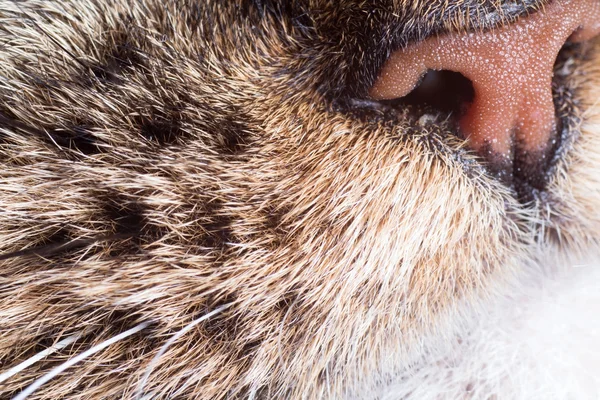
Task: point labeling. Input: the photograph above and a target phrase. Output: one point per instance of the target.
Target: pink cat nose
(511, 69)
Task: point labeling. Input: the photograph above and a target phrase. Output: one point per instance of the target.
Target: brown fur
(162, 159)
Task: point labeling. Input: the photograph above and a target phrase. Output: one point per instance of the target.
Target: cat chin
(538, 339)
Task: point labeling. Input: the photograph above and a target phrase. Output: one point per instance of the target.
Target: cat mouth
(502, 88)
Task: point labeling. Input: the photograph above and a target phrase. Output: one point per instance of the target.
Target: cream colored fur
(163, 162)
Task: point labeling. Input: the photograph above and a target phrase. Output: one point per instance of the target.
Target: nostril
(510, 119)
(447, 92)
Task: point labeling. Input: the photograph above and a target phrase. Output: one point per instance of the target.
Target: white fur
(539, 340)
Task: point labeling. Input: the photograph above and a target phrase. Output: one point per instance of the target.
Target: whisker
(140, 391)
(39, 356)
(101, 346)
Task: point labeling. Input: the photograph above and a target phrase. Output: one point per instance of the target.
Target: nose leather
(511, 69)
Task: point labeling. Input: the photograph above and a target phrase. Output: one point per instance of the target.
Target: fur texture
(165, 159)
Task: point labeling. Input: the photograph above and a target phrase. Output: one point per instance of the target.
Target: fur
(165, 160)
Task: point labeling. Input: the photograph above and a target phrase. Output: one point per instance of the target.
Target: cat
(208, 199)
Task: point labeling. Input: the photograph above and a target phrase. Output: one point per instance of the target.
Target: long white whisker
(39, 356)
(163, 349)
(69, 363)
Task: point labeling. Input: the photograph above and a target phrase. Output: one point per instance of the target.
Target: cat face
(218, 181)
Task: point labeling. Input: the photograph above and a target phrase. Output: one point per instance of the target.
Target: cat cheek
(511, 70)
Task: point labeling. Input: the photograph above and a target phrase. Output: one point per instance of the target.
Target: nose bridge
(511, 69)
